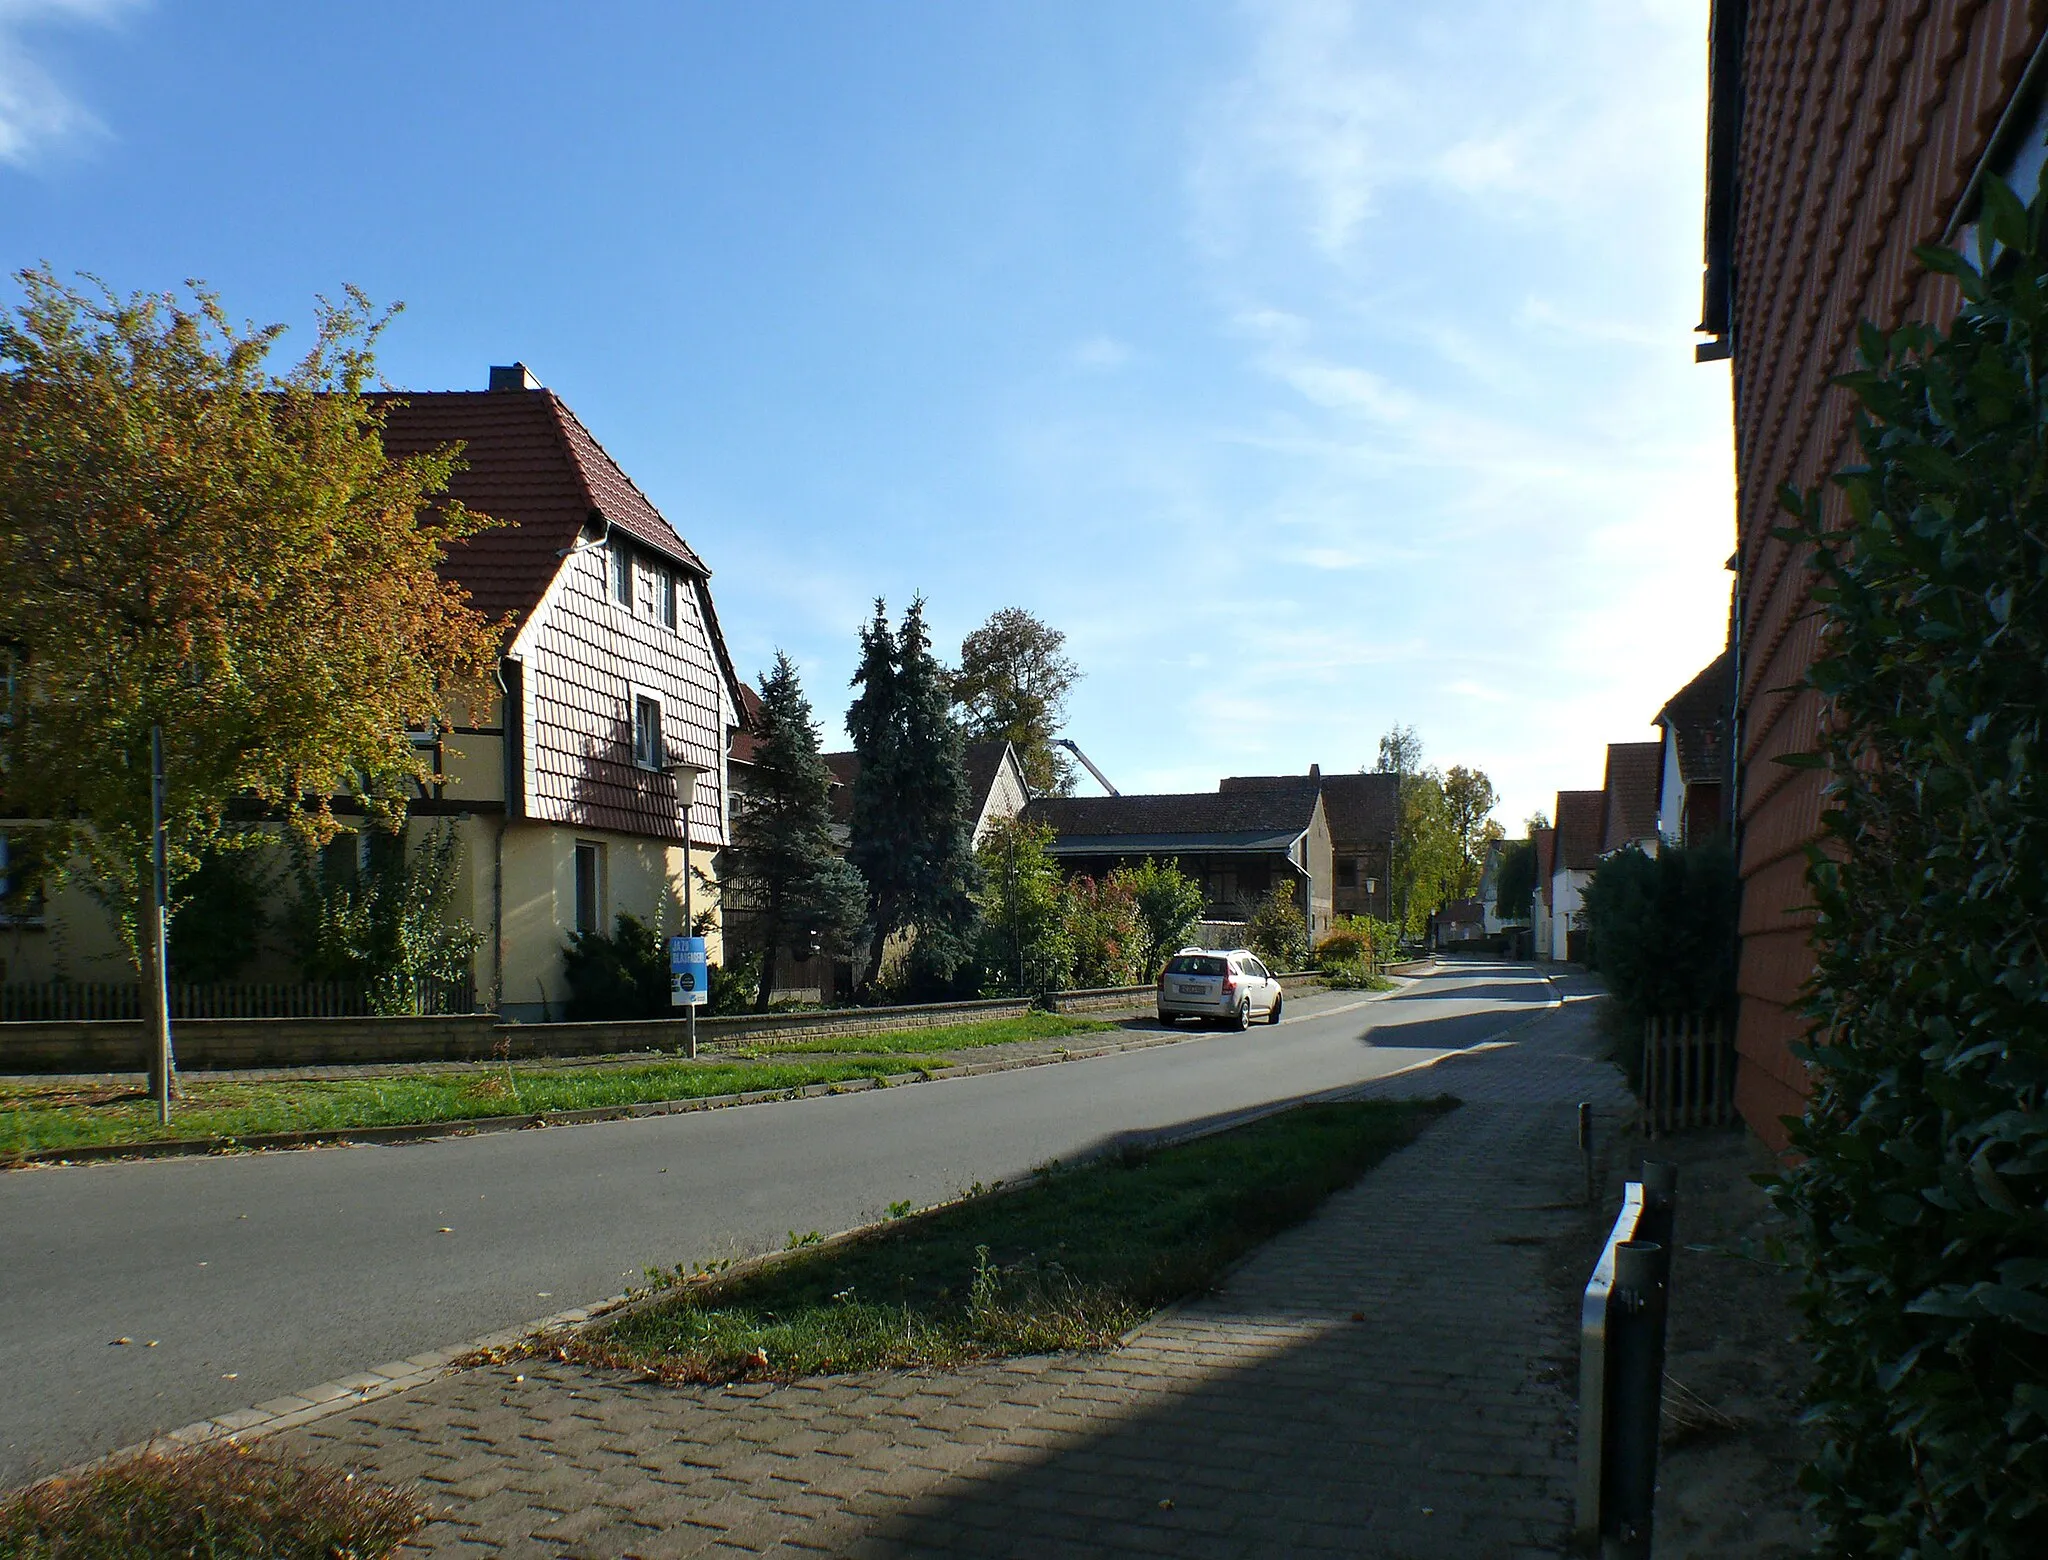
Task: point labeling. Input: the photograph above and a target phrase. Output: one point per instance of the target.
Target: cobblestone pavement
(1391, 1378)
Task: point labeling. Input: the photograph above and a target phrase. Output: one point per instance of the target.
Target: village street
(239, 1279)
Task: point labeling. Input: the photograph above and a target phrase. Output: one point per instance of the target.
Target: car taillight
(1229, 984)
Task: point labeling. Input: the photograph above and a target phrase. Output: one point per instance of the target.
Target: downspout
(512, 751)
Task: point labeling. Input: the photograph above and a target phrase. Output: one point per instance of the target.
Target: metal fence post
(1635, 1400)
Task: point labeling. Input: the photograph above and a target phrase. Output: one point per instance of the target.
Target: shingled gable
(1697, 716)
(1250, 819)
(1629, 814)
(527, 461)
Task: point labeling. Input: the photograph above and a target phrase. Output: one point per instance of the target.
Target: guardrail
(1621, 1369)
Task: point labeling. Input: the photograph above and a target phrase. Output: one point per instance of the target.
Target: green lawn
(1072, 1261)
(48, 1116)
(954, 1037)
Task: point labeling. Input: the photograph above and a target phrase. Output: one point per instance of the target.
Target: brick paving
(1391, 1378)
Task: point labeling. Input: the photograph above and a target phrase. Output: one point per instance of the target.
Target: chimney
(1315, 771)
(515, 377)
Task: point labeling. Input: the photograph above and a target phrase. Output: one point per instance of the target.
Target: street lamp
(685, 774)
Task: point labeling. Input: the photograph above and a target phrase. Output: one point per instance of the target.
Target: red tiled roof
(1697, 715)
(980, 761)
(1546, 848)
(527, 461)
(1635, 771)
(745, 741)
(1578, 829)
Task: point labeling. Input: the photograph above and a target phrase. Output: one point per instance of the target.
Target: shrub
(1357, 939)
(1276, 930)
(1106, 932)
(1024, 947)
(1663, 933)
(617, 978)
(1923, 1151)
(383, 917)
(1169, 905)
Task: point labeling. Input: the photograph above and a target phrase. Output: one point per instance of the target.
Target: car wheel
(1168, 1018)
(1242, 1019)
(1274, 1016)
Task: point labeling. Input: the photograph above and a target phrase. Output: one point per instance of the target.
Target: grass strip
(221, 1501)
(952, 1037)
(38, 1116)
(1073, 1260)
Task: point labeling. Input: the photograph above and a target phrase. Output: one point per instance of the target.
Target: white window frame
(618, 571)
(667, 610)
(635, 694)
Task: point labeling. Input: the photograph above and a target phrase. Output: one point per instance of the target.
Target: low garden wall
(121, 1045)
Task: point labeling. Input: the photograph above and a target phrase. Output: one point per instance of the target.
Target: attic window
(622, 574)
(665, 595)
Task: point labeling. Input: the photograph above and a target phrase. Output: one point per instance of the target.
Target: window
(665, 595)
(648, 751)
(622, 574)
(21, 891)
(1254, 967)
(1347, 872)
(589, 886)
(1196, 964)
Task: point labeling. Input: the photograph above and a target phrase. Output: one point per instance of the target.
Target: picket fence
(1688, 1074)
(58, 1001)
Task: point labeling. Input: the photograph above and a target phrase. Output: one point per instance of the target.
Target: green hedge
(1661, 930)
(1920, 1192)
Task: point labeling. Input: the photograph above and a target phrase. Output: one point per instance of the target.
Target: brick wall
(1862, 123)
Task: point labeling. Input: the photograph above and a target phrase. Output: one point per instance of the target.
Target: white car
(1226, 985)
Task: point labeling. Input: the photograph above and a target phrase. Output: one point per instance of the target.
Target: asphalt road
(260, 1274)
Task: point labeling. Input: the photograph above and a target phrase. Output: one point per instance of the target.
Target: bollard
(1660, 1209)
(1635, 1394)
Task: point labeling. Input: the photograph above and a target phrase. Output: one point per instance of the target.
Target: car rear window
(1193, 964)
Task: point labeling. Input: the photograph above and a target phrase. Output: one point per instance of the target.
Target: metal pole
(1635, 1394)
(161, 1057)
(690, 930)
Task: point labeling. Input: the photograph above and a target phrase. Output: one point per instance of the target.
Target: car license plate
(1189, 991)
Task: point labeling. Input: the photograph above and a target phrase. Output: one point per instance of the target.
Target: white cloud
(37, 113)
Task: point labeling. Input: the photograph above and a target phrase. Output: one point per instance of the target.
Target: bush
(1358, 939)
(1276, 930)
(1923, 1153)
(385, 917)
(1169, 905)
(1024, 947)
(1106, 933)
(1662, 930)
(617, 978)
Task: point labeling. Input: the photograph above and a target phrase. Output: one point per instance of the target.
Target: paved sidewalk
(1391, 1378)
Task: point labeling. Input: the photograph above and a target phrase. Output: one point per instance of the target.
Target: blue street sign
(689, 972)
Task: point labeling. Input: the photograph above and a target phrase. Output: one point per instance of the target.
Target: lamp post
(685, 776)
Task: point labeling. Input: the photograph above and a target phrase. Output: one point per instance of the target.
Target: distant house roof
(1363, 809)
(1697, 715)
(529, 463)
(981, 761)
(1634, 771)
(1546, 848)
(1253, 819)
(746, 737)
(1465, 912)
(1578, 829)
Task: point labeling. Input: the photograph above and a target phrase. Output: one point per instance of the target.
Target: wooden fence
(60, 1000)
(1688, 1074)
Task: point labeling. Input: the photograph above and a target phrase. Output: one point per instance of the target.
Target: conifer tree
(804, 895)
(910, 835)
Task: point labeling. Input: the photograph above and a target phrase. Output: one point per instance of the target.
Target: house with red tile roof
(613, 670)
(1545, 841)
(1628, 809)
(1581, 816)
(1694, 781)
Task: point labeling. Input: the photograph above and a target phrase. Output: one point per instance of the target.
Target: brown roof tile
(1578, 829)
(1635, 771)
(1262, 810)
(1698, 716)
(1363, 809)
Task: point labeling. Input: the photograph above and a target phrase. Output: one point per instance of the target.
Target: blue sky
(1315, 366)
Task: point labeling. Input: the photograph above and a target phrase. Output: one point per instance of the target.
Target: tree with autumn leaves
(192, 541)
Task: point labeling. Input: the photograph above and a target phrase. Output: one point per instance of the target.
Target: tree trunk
(771, 945)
